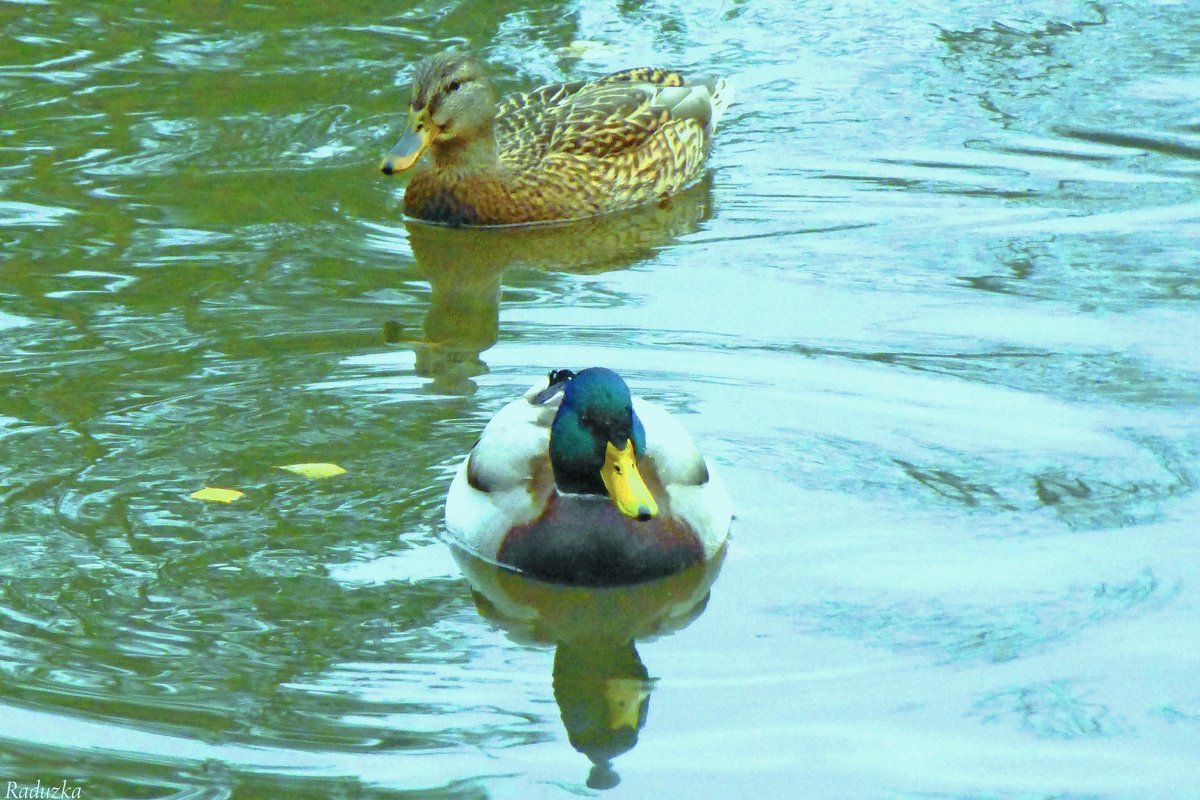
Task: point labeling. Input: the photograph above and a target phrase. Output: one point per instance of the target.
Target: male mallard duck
(563, 151)
(578, 482)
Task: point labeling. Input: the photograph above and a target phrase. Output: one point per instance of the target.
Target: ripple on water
(9, 321)
(1055, 709)
(192, 51)
(16, 214)
(995, 634)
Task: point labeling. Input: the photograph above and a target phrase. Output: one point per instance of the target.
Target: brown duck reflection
(465, 268)
(600, 684)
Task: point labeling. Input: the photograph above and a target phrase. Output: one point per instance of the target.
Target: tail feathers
(703, 102)
(721, 94)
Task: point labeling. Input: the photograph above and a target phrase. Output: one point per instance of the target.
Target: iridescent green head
(596, 439)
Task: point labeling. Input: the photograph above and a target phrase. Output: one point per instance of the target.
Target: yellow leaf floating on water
(315, 470)
(212, 495)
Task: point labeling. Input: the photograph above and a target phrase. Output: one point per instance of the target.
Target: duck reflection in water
(466, 270)
(600, 684)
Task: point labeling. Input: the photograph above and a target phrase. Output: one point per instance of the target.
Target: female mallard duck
(563, 151)
(578, 482)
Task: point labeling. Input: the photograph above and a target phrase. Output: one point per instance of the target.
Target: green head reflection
(600, 684)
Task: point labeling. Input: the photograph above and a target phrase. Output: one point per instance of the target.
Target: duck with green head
(579, 482)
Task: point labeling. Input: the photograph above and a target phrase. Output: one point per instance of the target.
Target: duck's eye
(453, 86)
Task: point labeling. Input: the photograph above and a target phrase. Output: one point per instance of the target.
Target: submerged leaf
(315, 470)
(581, 48)
(210, 494)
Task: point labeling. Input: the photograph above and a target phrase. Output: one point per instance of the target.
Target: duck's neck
(472, 154)
(574, 457)
(575, 478)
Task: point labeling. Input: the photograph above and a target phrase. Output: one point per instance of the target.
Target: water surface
(933, 314)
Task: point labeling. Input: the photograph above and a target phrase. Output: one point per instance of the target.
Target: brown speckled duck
(560, 152)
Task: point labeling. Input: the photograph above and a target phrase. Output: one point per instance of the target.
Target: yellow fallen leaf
(217, 495)
(315, 470)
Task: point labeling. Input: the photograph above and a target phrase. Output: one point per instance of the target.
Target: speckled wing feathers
(662, 77)
(607, 121)
(585, 148)
(522, 124)
(606, 117)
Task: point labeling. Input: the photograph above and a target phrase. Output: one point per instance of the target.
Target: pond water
(934, 313)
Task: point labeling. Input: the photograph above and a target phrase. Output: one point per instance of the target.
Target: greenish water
(934, 314)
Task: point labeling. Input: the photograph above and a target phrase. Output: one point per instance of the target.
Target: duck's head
(452, 104)
(596, 439)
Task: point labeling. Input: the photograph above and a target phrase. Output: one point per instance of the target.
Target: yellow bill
(624, 483)
(411, 145)
(623, 698)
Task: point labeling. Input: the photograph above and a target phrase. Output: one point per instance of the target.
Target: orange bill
(411, 145)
